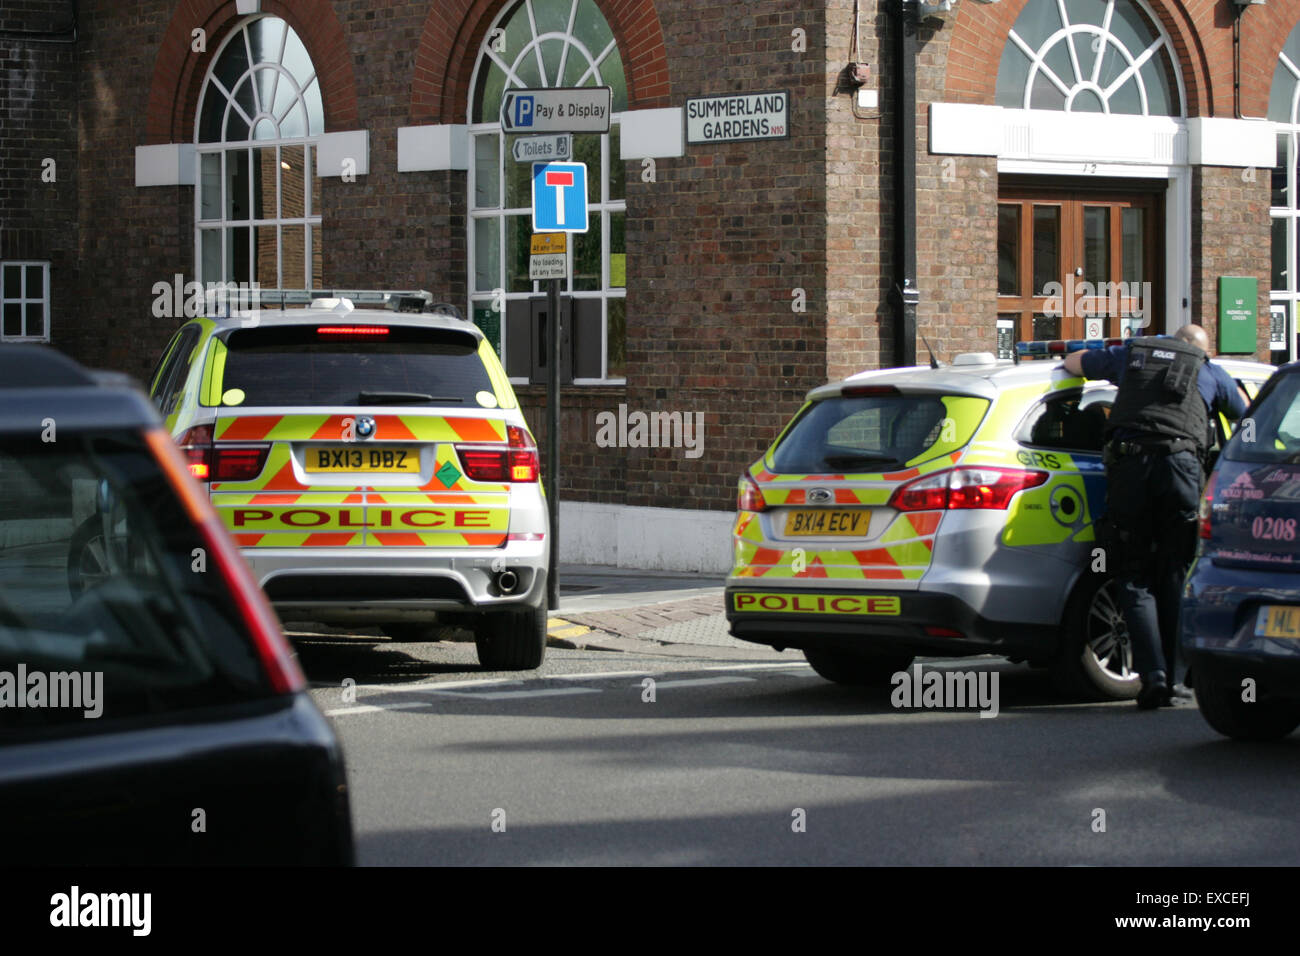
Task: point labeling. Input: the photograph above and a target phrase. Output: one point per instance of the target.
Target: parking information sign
(559, 197)
(547, 258)
(559, 110)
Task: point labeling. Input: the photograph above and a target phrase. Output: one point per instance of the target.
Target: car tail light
(1207, 506)
(965, 488)
(750, 497)
(254, 610)
(196, 446)
(517, 463)
(352, 330)
(209, 462)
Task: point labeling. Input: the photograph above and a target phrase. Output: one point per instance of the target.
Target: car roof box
(37, 366)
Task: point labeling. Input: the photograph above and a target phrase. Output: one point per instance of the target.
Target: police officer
(1158, 434)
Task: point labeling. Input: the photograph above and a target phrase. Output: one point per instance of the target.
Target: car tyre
(855, 670)
(1095, 660)
(512, 640)
(1224, 710)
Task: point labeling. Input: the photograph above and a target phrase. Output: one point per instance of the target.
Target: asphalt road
(573, 765)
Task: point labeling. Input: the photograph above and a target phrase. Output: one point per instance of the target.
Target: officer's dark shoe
(1155, 692)
(1181, 692)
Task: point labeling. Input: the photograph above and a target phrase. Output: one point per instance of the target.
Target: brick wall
(718, 245)
(38, 95)
(1230, 236)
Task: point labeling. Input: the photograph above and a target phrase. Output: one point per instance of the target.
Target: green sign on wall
(1238, 297)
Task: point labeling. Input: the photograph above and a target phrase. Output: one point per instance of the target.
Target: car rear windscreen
(307, 365)
(876, 433)
(1272, 432)
(110, 607)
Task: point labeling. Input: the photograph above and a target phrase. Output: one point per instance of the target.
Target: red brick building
(1079, 167)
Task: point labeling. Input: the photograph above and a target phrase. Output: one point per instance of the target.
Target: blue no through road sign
(559, 197)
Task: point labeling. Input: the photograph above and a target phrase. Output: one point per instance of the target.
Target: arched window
(534, 44)
(1284, 109)
(1088, 56)
(257, 206)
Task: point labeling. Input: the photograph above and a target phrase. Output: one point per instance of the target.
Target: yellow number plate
(826, 521)
(378, 459)
(1278, 620)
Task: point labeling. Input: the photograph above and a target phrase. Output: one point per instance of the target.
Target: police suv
(373, 465)
(939, 511)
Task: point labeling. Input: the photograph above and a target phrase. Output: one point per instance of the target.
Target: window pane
(293, 257)
(214, 112)
(1096, 244)
(611, 75)
(294, 123)
(210, 255)
(1127, 99)
(210, 186)
(35, 319)
(1279, 254)
(317, 258)
(487, 254)
(551, 50)
(617, 167)
(243, 95)
(586, 149)
(590, 27)
(237, 184)
(487, 171)
(266, 168)
(1008, 250)
(310, 170)
(1160, 92)
(617, 250)
(587, 258)
(13, 321)
(519, 179)
(13, 282)
(1037, 22)
(266, 258)
(233, 63)
(1134, 245)
(315, 109)
(519, 233)
(237, 242)
(1013, 75)
(265, 36)
(552, 16)
(35, 282)
(616, 339)
(293, 199)
(1046, 95)
(1047, 231)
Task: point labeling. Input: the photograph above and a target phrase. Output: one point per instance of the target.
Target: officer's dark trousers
(1153, 499)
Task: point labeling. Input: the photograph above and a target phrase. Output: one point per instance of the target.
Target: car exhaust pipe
(507, 581)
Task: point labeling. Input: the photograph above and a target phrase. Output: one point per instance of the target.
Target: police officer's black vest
(1159, 397)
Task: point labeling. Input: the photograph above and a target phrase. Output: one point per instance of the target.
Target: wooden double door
(1079, 262)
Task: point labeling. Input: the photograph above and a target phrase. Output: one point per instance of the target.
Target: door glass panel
(1279, 254)
(1133, 245)
(293, 172)
(1096, 244)
(1047, 247)
(266, 167)
(1008, 250)
(487, 171)
(1047, 327)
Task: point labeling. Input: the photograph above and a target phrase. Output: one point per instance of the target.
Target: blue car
(1240, 617)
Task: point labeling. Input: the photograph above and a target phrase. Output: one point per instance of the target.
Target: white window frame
(24, 299)
(602, 208)
(1071, 34)
(310, 221)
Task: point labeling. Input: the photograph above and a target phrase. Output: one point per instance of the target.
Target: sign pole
(553, 442)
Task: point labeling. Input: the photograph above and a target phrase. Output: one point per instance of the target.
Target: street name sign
(739, 117)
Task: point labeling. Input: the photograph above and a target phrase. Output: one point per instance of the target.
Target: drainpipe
(904, 294)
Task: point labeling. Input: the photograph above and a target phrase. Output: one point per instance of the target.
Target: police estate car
(373, 465)
(938, 511)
